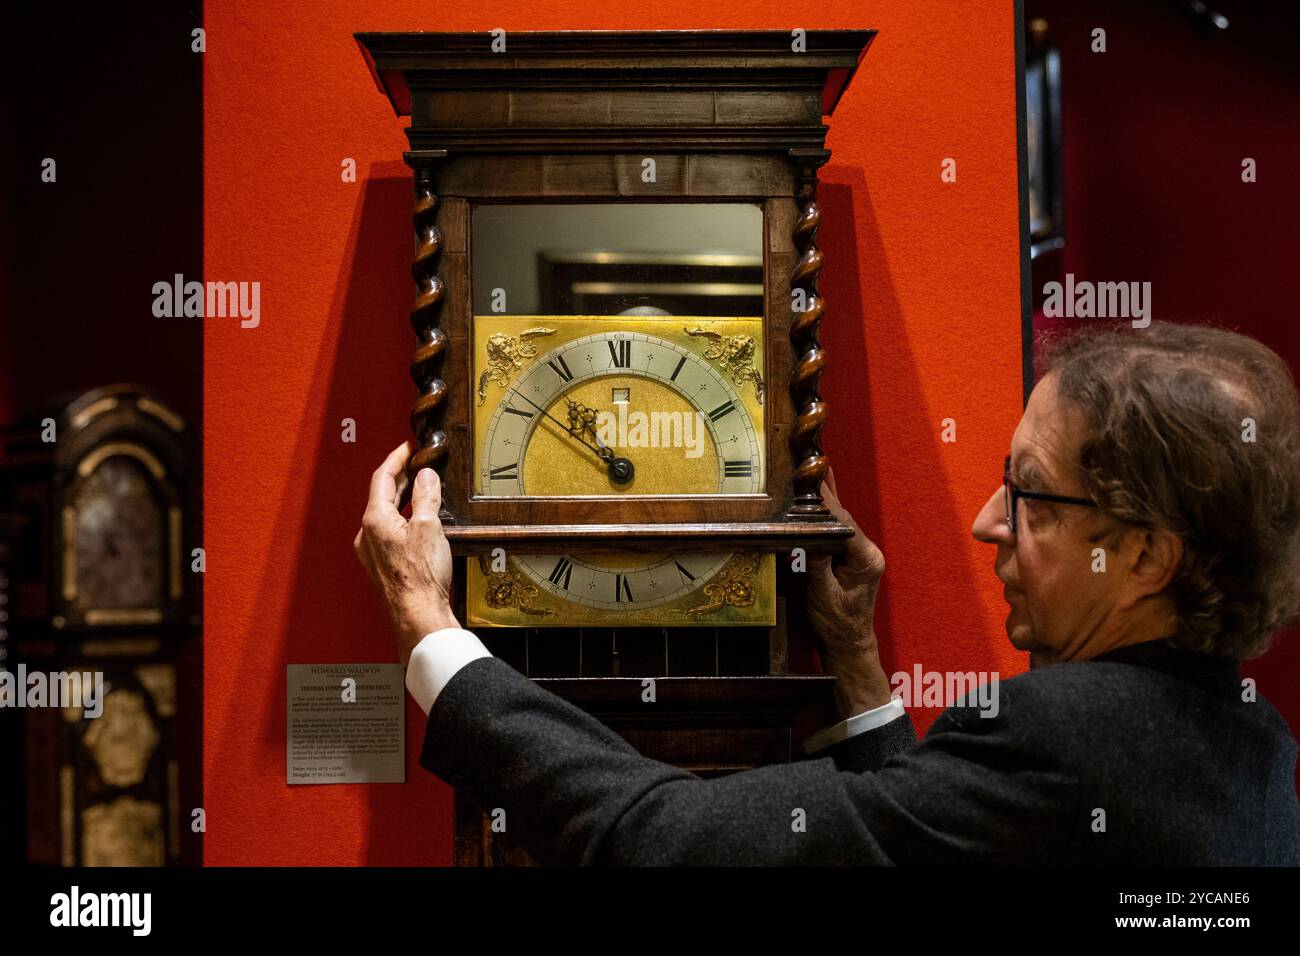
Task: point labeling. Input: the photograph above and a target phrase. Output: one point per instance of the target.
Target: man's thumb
(425, 493)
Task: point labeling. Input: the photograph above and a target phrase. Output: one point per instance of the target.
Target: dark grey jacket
(1153, 744)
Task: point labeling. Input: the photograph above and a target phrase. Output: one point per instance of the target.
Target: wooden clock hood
(728, 116)
(704, 80)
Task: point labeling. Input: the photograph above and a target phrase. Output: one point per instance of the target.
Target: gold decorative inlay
(509, 589)
(68, 814)
(69, 553)
(123, 616)
(93, 410)
(174, 535)
(734, 354)
(161, 412)
(122, 739)
(160, 681)
(131, 450)
(121, 646)
(734, 586)
(126, 832)
(506, 354)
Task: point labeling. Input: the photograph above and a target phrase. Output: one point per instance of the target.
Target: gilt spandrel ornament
(506, 354)
(509, 589)
(734, 354)
(735, 586)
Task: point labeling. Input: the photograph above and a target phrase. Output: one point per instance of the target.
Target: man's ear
(1155, 558)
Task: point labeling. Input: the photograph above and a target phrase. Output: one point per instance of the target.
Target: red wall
(922, 280)
(1154, 132)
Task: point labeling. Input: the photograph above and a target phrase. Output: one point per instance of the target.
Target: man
(1148, 536)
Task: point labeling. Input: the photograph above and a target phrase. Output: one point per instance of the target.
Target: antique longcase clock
(106, 488)
(617, 361)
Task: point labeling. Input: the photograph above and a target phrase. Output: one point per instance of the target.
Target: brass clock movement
(617, 361)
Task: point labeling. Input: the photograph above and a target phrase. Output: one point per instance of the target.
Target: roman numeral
(621, 587)
(620, 357)
(722, 410)
(680, 362)
(557, 365)
(684, 572)
(505, 472)
(738, 469)
(563, 569)
(520, 412)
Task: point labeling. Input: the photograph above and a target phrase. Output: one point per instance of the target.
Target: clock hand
(620, 469)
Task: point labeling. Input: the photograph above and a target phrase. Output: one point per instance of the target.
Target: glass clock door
(619, 350)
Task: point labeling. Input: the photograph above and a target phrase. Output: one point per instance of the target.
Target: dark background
(114, 95)
(1153, 134)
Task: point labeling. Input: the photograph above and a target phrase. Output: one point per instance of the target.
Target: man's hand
(408, 561)
(842, 606)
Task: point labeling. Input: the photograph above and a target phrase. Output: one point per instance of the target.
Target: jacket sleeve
(869, 750)
(573, 791)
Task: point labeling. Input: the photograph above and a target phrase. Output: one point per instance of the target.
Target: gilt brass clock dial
(603, 406)
(679, 424)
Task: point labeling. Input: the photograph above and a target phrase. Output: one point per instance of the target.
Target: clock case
(569, 117)
(72, 811)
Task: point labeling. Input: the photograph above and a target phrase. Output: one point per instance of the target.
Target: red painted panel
(923, 284)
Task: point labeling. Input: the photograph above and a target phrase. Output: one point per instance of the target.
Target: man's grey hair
(1195, 430)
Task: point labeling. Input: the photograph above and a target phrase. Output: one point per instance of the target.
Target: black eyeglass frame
(1014, 494)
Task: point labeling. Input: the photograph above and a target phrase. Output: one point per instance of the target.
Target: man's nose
(991, 525)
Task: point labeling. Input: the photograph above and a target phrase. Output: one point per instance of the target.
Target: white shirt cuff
(436, 659)
(857, 724)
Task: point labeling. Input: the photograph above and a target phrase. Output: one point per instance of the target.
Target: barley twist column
(810, 464)
(426, 364)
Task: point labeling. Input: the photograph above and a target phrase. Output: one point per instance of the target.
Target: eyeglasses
(1014, 495)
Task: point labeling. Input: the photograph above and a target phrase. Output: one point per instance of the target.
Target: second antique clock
(106, 488)
(617, 360)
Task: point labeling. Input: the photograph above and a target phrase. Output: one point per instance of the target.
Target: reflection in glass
(612, 258)
(119, 537)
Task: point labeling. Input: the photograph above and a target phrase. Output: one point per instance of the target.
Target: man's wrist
(438, 623)
(859, 686)
(416, 629)
(427, 625)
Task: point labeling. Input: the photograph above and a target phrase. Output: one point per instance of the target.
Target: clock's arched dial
(119, 538)
(644, 393)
